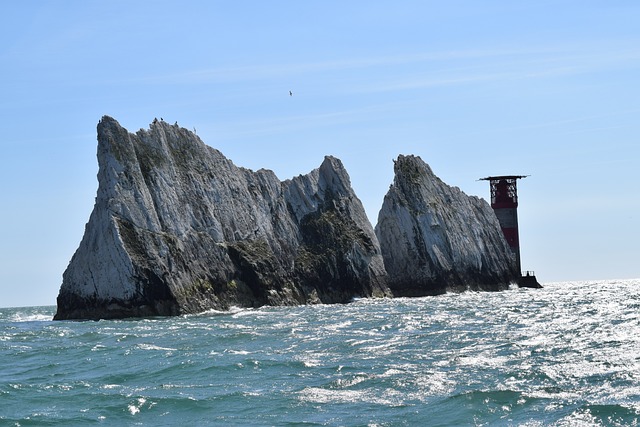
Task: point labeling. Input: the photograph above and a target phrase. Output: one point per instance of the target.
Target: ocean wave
(27, 314)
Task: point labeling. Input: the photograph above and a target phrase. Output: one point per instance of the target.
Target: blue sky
(548, 89)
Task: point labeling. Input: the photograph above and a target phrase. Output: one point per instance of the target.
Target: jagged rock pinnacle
(434, 238)
(178, 228)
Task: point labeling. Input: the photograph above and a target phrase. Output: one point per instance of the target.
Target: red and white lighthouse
(504, 201)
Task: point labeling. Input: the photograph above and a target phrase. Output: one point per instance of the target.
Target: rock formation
(435, 238)
(178, 228)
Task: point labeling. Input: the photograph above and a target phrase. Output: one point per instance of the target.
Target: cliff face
(178, 228)
(435, 238)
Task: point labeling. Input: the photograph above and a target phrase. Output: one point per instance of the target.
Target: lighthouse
(504, 201)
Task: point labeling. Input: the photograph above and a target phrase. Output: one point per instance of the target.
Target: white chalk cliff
(178, 228)
(434, 238)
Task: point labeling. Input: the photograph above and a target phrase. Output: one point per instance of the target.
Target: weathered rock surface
(434, 238)
(178, 228)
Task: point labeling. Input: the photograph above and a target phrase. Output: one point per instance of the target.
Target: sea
(564, 355)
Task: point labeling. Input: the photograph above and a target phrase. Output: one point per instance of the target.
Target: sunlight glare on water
(565, 355)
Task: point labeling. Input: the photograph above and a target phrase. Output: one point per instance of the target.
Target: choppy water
(565, 355)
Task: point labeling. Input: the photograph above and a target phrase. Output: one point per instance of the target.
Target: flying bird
(290, 93)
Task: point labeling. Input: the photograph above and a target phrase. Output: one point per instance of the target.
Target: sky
(549, 89)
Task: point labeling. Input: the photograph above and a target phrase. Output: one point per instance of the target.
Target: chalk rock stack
(178, 228)
(434, 238)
